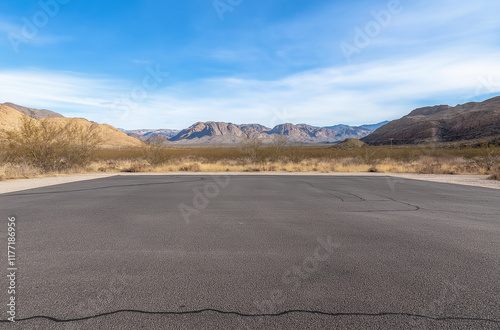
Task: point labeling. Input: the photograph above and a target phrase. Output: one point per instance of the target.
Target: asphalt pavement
(252, 252)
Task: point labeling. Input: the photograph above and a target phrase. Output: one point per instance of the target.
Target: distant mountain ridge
(146, 134)
(229, 133)
(442, 123)
(35, 113)
(375, 126)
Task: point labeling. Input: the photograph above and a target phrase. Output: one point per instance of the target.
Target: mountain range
(146, 134)
(229, 133)
(441, 123)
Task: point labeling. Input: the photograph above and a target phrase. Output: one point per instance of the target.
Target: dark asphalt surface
(254, 252)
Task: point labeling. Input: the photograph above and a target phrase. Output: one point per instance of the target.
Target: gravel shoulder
(468, 180)
(25, 184)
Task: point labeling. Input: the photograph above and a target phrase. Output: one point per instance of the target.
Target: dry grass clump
(312, 165)
(18, 171)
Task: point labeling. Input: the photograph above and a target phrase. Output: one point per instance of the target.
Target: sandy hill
(442, 123)
(10, 119)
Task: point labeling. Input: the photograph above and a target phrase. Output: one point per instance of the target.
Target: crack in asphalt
(97, 188)
(323, 190)
(286, 312)
(329, 192)
(406, 203)
(353, 194)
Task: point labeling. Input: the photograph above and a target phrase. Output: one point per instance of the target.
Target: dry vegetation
(41, 150)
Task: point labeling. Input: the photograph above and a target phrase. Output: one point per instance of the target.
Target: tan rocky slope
(442, 123)
(11, 119)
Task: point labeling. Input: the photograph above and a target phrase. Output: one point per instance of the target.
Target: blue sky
(168, 64)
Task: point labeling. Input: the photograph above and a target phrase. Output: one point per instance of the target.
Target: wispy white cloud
(70, 92)
(433, 52)
(372, 92)
(237, 55)
(425, 26)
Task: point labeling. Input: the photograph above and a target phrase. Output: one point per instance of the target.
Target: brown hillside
(10, 119)
(442, 123)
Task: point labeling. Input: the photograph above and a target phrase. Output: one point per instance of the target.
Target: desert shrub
(156, 151)
(51, 147)
(296, 154)
(279, 143)
(253, 149)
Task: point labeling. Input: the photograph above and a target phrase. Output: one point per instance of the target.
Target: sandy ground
(469, 180)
